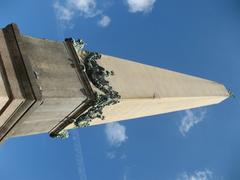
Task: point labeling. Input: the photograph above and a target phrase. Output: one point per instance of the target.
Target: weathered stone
(49, 86)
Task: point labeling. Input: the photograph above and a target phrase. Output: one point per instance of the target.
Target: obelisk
(51, 86)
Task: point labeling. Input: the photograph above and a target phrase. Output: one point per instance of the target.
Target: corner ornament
(97, 75)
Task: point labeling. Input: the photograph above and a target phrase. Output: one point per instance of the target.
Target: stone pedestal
(40, 84)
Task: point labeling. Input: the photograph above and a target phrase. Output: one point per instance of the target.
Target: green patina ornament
(78, 44)
(63, 134)
(97, 75)
(231, 94)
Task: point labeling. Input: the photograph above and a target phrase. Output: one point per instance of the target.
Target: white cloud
(191, 118)
(140, 5)
(86, 8)
(197, 175)
(63, 13)
(66, 10)
(104, 21)
(116, 133)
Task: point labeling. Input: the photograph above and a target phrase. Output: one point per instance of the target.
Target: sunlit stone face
(3, 94)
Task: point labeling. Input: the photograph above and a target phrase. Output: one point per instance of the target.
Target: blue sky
(195, 37)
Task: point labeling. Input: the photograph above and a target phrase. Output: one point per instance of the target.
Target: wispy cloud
(63, 13)
(197, 175)
(123, 156)
(79, 155)
(66, 10)
(140, 5)
(104, 21)
(126, 172)
(115, 133)
(191, 118)
(125, 176)
(111, 155)
(114, 154)
(86, 8)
